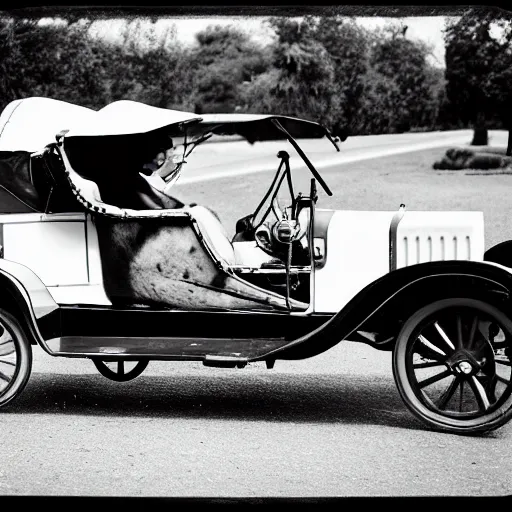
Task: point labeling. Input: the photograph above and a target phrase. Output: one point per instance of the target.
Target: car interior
(258, 274)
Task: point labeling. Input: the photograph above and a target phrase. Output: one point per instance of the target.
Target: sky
(426, 28)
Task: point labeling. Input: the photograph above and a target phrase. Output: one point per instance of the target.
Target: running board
(219, 352)
(225, 361)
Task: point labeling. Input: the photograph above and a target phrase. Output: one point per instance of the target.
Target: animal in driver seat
(155, 261)
(115, 164)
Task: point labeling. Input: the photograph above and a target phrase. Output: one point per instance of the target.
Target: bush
(463, 158)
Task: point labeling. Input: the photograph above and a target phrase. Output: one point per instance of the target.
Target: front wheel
(15, 358)
(452, 365)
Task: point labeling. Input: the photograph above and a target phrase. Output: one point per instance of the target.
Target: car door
(53, 246)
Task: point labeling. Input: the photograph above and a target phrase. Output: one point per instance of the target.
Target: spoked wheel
(452, 365)
(120, 370)
(15, 358)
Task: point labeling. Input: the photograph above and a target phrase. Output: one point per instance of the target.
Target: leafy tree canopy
(478, 63)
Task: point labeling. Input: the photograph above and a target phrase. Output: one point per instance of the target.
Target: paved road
(333, 425)
(218, 160)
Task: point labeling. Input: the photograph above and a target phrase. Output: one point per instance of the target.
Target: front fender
(385, 303)
(25, 295)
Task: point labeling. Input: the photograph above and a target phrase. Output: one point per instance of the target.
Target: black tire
(120, 375)
(15, 358)
(476, 358)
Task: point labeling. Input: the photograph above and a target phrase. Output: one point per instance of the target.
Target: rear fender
(381, 307)
(24, 295)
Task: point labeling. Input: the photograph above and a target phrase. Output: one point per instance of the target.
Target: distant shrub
(464, 158)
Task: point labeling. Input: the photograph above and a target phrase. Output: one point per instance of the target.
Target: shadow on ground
(280, 397)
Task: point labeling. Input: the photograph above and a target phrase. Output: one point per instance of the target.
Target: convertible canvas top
(130, 117)
(254, 127)
(127, 117)
(29, 124)
(106, 141)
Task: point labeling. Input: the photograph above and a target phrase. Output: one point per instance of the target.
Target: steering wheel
(277, 237)
(284, 231)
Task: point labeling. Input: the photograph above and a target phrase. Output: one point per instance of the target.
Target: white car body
(67, 258)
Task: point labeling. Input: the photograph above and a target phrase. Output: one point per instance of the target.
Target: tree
(301, 82)
(477, 68)
(224, 59)
(256, 95)
(433, 102)
(61, 59)
(498, 83)
(405, 62)
(151, 68)
(54, 60)
(217, 92)
(348, 46)
(378, 111)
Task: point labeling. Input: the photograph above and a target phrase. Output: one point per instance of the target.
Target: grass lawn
(377, 184)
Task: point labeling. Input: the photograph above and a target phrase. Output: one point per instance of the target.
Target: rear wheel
(452, 365)
(15, 358)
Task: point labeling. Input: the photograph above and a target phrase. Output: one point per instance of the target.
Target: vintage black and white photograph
(256, 252)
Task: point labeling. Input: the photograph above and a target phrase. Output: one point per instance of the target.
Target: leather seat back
(214, 234)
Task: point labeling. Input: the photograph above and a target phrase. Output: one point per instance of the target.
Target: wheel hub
(464, 367)
(464, 362)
